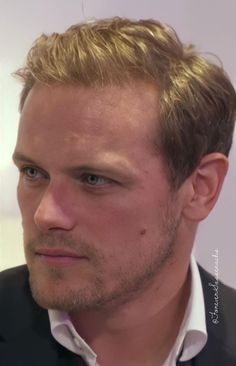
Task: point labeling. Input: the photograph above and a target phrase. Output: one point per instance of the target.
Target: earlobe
(206, 183)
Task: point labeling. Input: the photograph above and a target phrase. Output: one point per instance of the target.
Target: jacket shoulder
(222, 296)
(17, 307)
(12, 274)
(13, 283)
(220, 305)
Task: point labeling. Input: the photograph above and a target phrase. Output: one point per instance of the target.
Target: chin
(55, 292)
(49, 293)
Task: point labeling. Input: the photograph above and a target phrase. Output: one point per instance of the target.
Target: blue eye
(95, 180)
(31, 173)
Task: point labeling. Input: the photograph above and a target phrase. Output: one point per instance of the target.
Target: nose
(53, 211)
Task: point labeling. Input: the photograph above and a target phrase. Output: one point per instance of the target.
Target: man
(122, 150)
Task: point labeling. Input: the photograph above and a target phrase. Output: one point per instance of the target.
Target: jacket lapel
(31, 349)
(219, 349)
(31, 344)
(186, 363)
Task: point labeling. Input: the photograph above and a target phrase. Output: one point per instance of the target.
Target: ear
(205, 185)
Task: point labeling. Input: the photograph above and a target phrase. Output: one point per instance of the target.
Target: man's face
(100, 221)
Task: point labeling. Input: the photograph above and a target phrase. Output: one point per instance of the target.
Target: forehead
(73, 114)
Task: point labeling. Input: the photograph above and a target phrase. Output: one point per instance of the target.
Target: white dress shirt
(191, 339)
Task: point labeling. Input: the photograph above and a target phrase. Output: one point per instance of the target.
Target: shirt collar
(65, 333)
(191, 339)
(192, 336)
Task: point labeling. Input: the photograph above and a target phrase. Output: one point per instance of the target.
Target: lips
(58, 257)
(57, 253)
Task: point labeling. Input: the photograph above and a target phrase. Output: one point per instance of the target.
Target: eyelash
(24, 169)
(86, 176)
(82, 178)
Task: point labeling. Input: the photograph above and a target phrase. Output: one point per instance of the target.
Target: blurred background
(209, 24)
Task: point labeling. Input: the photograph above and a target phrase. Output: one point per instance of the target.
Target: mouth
(58, 257)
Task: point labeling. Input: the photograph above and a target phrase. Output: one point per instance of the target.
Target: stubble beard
(61, 296)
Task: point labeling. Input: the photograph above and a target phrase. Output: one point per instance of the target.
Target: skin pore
(106, 239)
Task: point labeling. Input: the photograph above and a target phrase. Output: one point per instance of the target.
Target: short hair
(197, 102)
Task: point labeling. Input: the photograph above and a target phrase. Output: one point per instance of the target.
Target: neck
(141, 332)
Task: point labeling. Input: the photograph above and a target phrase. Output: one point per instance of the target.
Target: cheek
(118, 226)
(27, 205)
(130, 226)
(21, 199)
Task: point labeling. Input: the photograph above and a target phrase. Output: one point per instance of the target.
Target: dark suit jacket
(25, 337)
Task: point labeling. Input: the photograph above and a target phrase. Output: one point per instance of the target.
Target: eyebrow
(18, 156)
(102, 167)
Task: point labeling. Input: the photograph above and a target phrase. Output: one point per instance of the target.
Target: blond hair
(197, 101)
